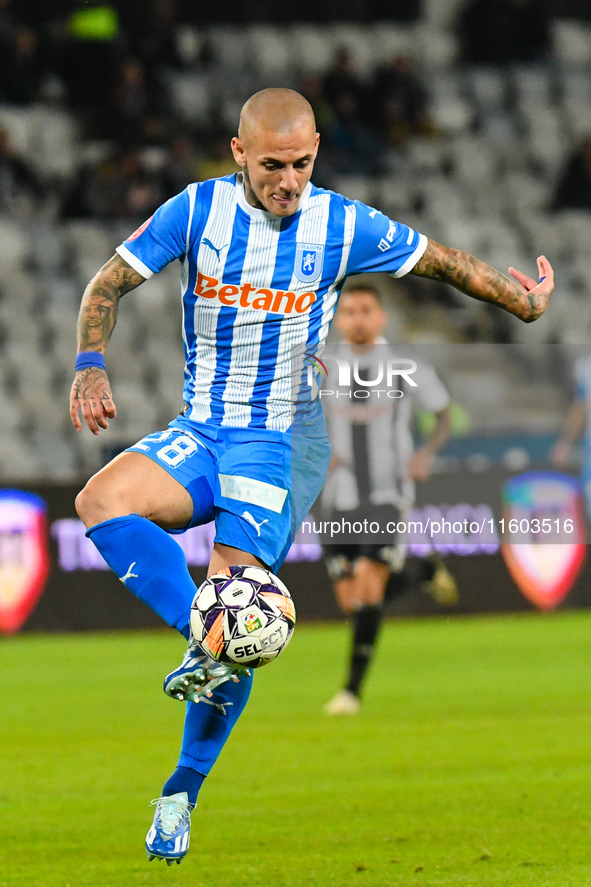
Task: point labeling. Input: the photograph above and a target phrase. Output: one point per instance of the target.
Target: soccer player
(578, 421)
(371, 476)
(263, 257)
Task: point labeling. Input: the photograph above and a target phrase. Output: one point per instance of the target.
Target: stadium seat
(189, 41)
(389, 39)
(270, 48)
(356, 188)
(444, 201)
(230, 48)
(56, 453)
(473, 159)
(313, 47)
(524, 191)
(545, 234)
(435, 48)
(189, 93)
(452, 115)
(488, 87)
(48, 247)
(52, 141)
(576, 225)
(17, 460)
(137, 415)
(17, 287)
(18, 124)
(90, 237)
(357, 39)
(572, 42)
(428, 155)
(14, 245)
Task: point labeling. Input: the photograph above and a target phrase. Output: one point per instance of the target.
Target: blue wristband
(89, 359)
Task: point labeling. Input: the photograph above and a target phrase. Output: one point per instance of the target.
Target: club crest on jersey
(308, 262)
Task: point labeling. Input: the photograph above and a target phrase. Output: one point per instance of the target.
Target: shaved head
(276, 147)
(275, 110)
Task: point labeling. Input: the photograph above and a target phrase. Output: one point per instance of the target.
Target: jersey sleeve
(430, 393)
(163, 237)
(380, 244)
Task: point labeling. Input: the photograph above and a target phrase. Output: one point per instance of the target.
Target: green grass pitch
(469, 765)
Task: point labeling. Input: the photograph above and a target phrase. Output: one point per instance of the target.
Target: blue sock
(151, 564)
(207, 728)
(184, 779)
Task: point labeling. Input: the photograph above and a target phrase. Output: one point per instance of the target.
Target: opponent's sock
(150, 564)
(207, 727)
(184, 779)
(366, 624)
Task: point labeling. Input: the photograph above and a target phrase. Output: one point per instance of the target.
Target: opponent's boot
(344, 703)
(442, 586)
(170, 832)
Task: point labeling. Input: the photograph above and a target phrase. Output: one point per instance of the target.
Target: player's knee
(97, 502)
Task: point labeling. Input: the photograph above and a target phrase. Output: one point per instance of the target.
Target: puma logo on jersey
(129, 574)
(217, 251)
(248, 516)
(373, 213)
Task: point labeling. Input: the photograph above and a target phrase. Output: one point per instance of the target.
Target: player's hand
(91, 395)
(559, 453)
(538, 292)
(419, 465)
(334, 463)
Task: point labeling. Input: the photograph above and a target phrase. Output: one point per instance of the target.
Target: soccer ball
(243, 616)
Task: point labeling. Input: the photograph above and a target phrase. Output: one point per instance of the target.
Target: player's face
(277, 167)
(360, 318)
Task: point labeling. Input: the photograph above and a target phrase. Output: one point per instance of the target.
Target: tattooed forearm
(100, 303)
(479, 280)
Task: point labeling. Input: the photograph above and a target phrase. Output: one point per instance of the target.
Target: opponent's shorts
(340, 556)
(257, 485)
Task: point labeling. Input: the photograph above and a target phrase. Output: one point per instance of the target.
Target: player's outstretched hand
(91, 394)
(538, 292)
(559, 453)
(419, 465)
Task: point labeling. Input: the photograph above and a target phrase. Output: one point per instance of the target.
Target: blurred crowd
(477, 133)
(112, 64)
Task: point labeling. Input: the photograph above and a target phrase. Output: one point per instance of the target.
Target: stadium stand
(479, 170)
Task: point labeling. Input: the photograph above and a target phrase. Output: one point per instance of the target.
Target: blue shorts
(257, 485)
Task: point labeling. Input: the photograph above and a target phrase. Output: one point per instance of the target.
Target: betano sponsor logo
(249, 296)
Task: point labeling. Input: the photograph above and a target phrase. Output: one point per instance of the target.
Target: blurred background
(469, 120)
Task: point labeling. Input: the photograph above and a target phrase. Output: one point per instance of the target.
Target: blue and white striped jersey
(582, 372)
(258, 289)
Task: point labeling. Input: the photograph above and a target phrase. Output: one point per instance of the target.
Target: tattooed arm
(91, 392)
(526, 299)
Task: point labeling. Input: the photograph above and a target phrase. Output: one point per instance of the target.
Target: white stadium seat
(230, 47)
(572, 42)
(270, 48)
(313, 47)
(356, 188)
(389, 39)
(14, 245)
(190, 94)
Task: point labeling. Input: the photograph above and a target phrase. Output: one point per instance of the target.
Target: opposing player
(263, 257)
(371, 476)
(577, 423)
